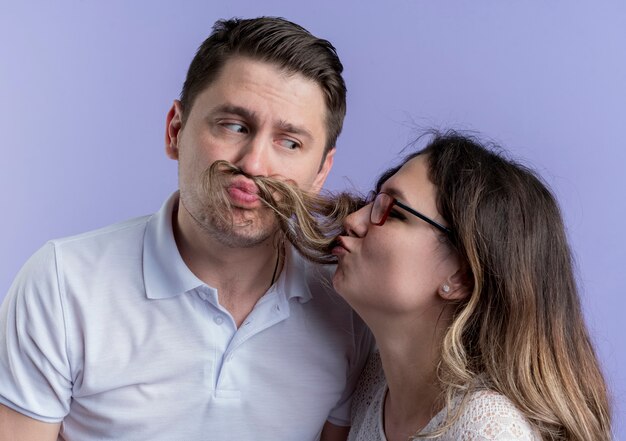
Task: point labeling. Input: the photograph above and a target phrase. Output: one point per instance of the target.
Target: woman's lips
(340, 248)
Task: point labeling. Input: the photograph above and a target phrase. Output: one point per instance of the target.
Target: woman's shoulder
(370, 386)
(489, 415)
(372, 375)
(367, 401)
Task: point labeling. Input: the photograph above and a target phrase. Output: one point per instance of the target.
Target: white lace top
(488, 415)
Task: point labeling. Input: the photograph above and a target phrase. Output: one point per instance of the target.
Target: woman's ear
(456, 287)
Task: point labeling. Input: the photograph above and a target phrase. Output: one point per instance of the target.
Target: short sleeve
(491, 416)
(35, 377)
(363, 346)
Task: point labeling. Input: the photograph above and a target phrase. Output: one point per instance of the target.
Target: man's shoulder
(319, 277)
(83, 252)
(104, 235)
(310, 279)
(319, 281)
(320, 298)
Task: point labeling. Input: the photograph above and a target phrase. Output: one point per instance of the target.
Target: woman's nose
(357, 223)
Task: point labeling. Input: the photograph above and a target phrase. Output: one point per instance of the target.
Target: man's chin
(244, 233)
(244, 239)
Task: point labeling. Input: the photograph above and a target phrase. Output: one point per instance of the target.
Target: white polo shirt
(111, 333)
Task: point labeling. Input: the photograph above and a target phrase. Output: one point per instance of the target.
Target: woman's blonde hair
(310, 222)
(522, 328)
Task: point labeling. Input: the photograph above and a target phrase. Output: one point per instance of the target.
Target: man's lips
(243, 193)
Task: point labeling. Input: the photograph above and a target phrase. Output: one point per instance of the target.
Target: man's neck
(241, 275)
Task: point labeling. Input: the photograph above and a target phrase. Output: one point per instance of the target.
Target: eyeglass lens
(380, 208)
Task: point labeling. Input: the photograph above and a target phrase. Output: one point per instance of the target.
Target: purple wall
(85, 87)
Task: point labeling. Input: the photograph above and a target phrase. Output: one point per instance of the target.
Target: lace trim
(488, 415)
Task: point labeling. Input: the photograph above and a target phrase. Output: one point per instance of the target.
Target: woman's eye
(234, 127)
(396, 214)
(290, 144)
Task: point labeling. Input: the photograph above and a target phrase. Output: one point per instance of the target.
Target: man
(182, 325)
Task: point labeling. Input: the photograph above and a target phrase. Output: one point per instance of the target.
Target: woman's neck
(410, 351)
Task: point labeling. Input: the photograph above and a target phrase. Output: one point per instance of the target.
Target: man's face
(263, 120)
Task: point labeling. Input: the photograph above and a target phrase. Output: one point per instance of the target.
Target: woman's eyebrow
(393, 191)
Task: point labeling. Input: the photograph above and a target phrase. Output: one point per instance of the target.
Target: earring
(445, 288)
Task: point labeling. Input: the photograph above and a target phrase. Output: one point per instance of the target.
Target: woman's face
(402, 265)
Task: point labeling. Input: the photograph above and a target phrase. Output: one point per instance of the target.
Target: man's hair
(277, 41)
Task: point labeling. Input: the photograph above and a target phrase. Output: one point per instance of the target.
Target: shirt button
(218, 319)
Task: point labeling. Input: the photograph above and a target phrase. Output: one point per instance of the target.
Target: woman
(460, 266)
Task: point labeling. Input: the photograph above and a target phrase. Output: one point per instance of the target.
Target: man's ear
(173, 126)
(456, 287)
(322, 174)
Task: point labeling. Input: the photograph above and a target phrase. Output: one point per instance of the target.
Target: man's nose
(253, 158)
(356, 224)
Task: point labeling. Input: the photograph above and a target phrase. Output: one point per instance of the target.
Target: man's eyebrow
(252, 116)
(235, 110)
(295, 130)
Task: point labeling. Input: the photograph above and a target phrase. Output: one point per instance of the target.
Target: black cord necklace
(275, 267)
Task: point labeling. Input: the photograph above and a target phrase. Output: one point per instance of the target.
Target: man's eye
(234, 127)
(289, 143)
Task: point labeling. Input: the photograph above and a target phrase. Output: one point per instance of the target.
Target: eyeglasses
(382, 205)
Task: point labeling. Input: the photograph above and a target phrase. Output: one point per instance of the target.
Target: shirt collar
(166, 274)
(294, 280)
(164, 271)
